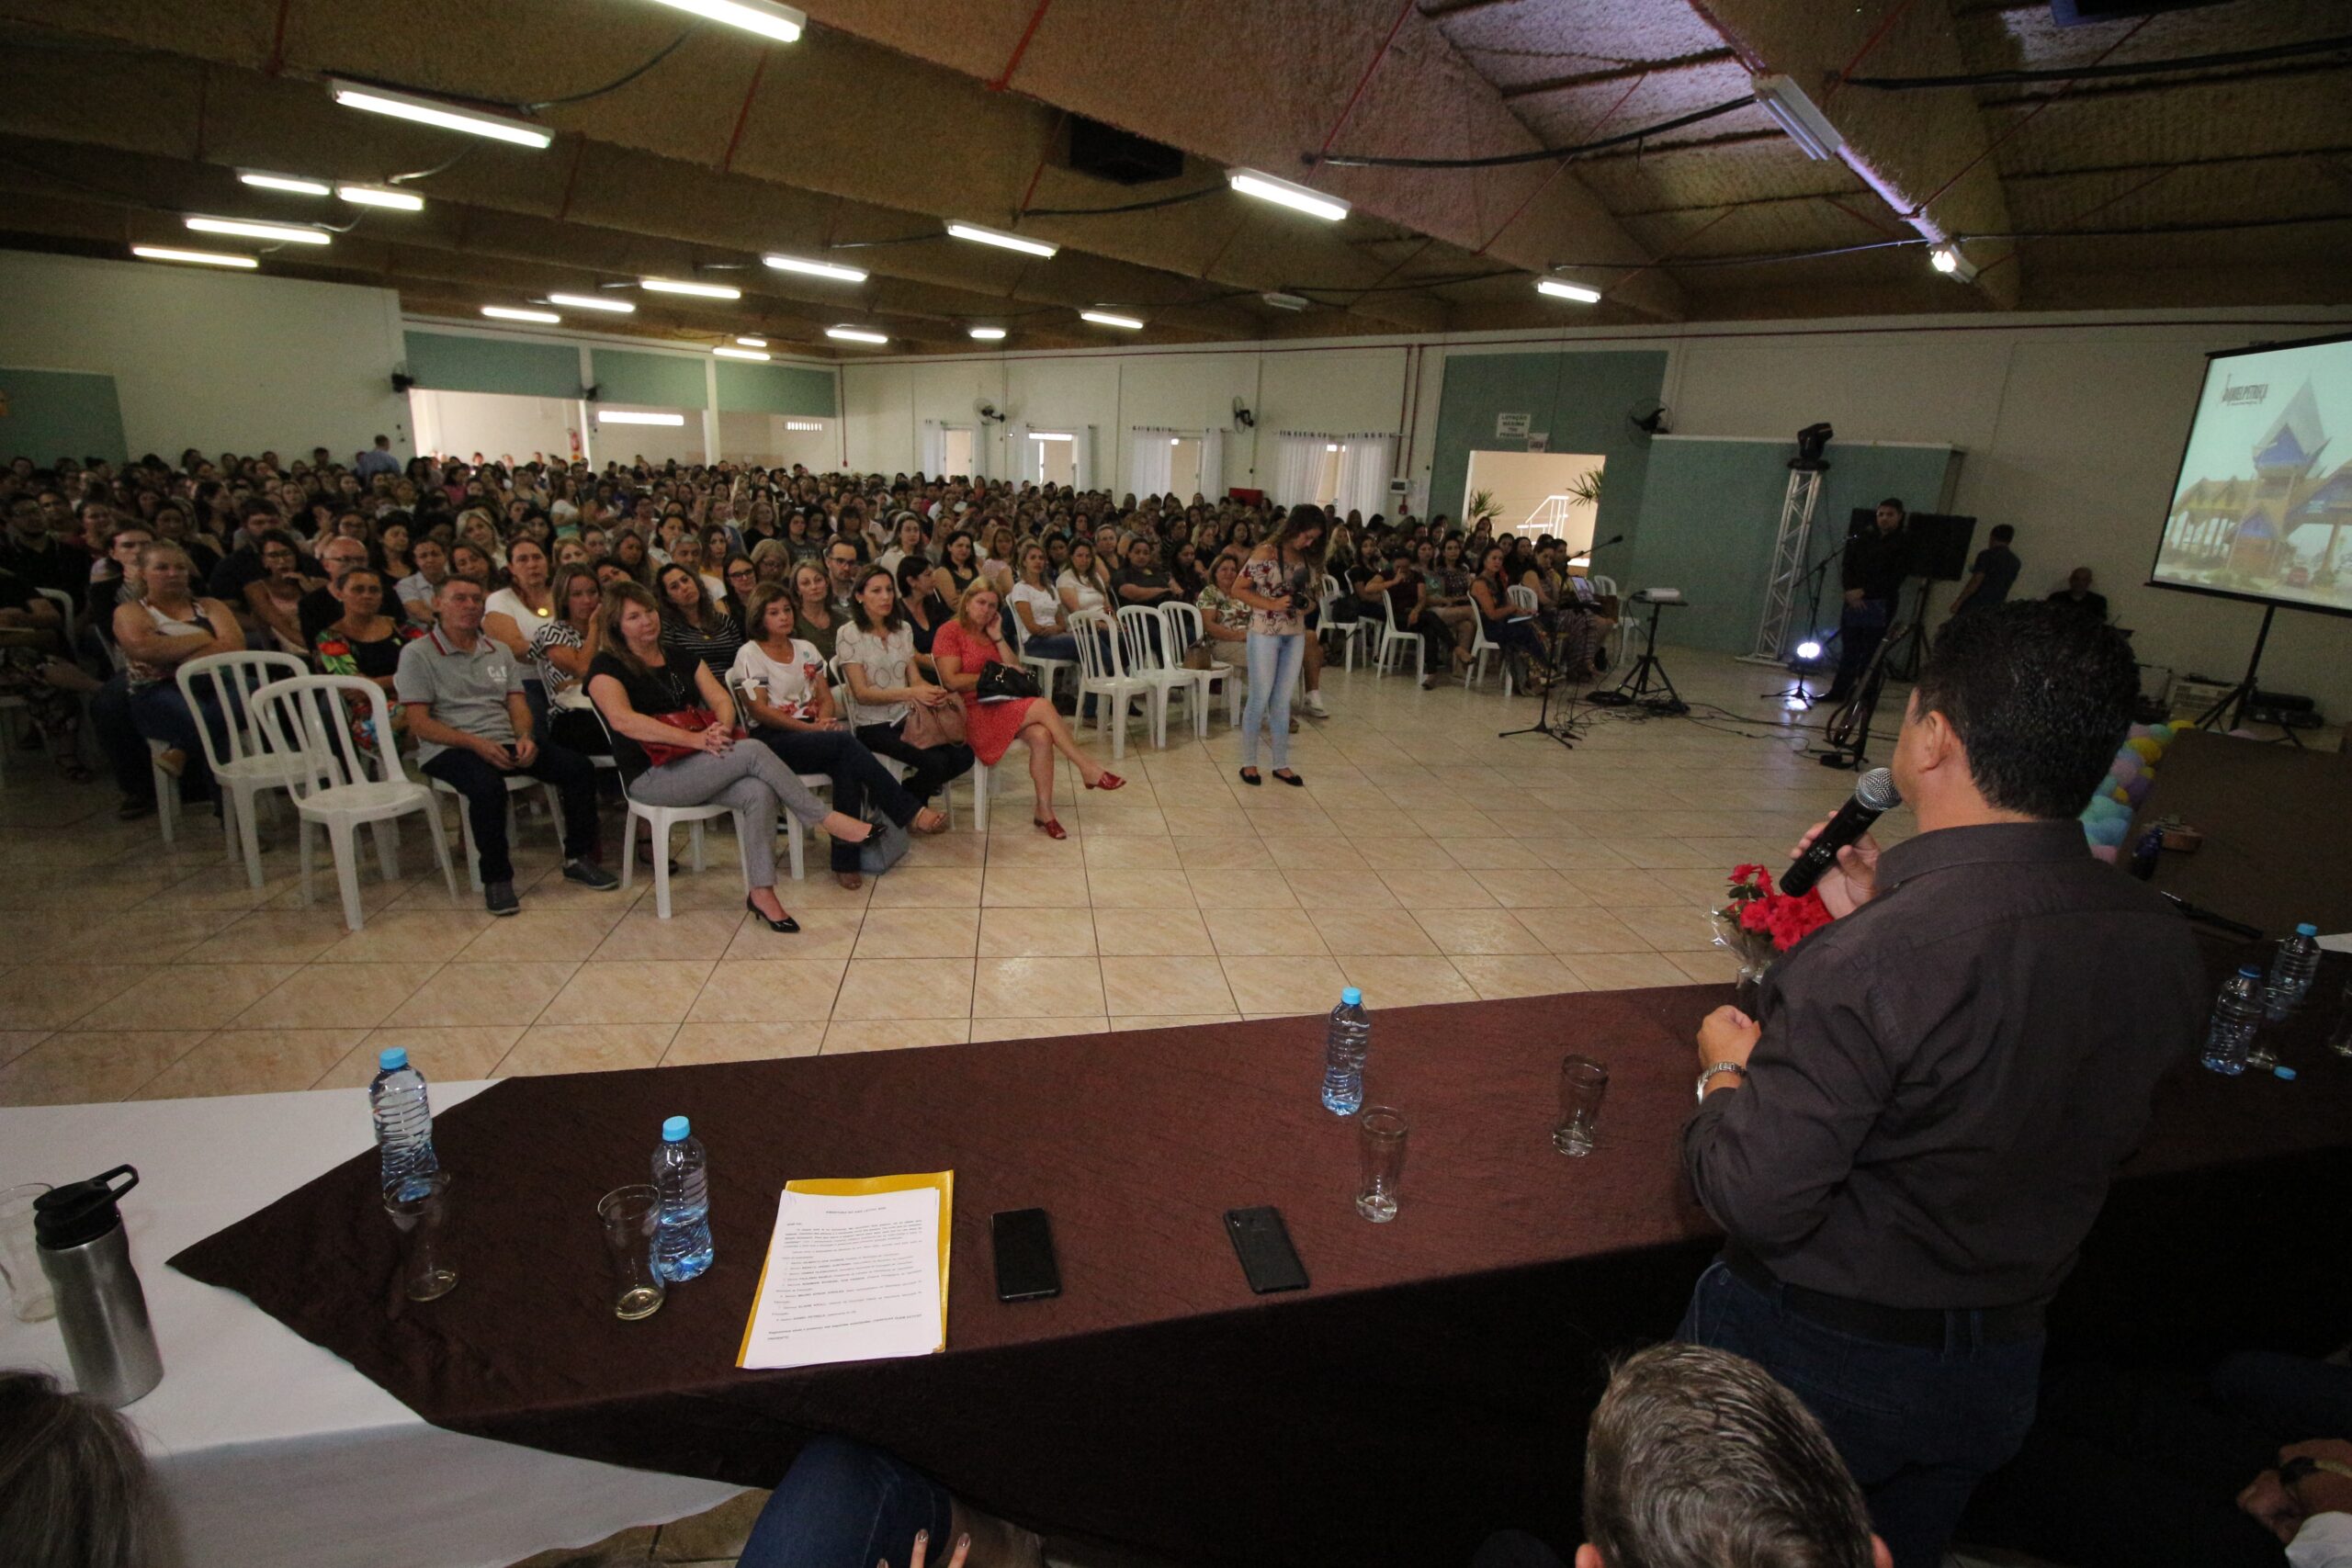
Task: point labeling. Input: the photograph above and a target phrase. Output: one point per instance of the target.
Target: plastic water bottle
(2292, 970)
(681, 1246)
(403, 1119)
(1343, 1052)
(2237, 1014)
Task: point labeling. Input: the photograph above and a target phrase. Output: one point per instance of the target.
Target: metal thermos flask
(103, 1311)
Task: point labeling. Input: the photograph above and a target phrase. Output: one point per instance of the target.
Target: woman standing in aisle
(1278, 582)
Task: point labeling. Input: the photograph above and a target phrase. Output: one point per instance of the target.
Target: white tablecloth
(272, 1451)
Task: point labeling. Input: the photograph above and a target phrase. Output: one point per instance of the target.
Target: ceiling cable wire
(2095, 73)
(1538, 156)
(1176, 200)
(618, 82)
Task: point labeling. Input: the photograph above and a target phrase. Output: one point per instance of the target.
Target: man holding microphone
(1908, 1146)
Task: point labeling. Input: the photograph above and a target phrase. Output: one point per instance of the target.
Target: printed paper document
(856, 1270)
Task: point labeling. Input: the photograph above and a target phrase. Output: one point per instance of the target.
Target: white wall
(763, 438)
(233, 362)
(497, 424)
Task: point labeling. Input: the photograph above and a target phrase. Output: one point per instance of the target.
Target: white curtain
(1365, 468)
(1212, 465)
(1299, 458)
(1024, 454)
(934, 455)
(1087, 472)
(1148, 465)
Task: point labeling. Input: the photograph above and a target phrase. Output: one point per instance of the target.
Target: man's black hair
(1896, 503)
(2003, 533)
(2039, 695)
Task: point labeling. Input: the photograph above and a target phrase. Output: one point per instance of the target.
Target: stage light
(1560, 288)
(1808, 650)
(856, 334)
(293, 182)
(727, 351)
(1102, 318)
(595, 302)
(432, 111)
(781, 23)
(1797, 115)
(624, 416)
(752, 341)
(1298, 198)
(1003, 240)
(509, 313)
(202, 258)
(833, 270)
(381, 195)
(288, 234)
(987, 334)
(699, 291)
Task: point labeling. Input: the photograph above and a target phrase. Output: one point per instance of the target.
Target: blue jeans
(1273, 669)
(161, 712)
(1919, 1428)
(1058, 645)
(842, 1505)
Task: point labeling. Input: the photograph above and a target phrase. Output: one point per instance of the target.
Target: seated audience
(673, 729)
(462, 692)
(1509, 628)
(899, 712)
(965, 648)
(813, 610)
(1225, 618)
(415, 591)
(925, 610)
(562, 646)
(162, 631)
(692, 621)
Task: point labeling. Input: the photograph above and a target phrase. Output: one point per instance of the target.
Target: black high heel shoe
(785, 924)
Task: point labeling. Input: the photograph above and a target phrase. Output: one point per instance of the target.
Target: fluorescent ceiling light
(1948, 260)
(594, 302)
(203, 258)
(856, 334)
(1797, 115)
(1299, 198)
(381, 195)
(293, 182)
(765, 18)
(291, 234)
(1003, 240)
(699, 291)
(987, 334)
(752, 342)
(435, 112)
(833, 270)
(727, 351)
(1175, 441)
(1286, 301)
(1334, 447)
(623, 417)
(1051, 435)
(802, 424)
(1559, 288)
(1102, 318)
(509, 313)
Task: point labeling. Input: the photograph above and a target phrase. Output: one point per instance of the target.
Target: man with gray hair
(1697, 1459)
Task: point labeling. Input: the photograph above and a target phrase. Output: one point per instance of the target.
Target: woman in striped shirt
(692, 621)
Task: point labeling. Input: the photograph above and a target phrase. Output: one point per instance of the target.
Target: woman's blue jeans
(842, 1505)
(1273, 670)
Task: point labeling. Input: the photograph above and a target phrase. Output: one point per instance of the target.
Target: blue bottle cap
(1353, 997)
(2304, 928)
(392, 1058)
(674, 1130)
(2250, 969)
(2284, 1074)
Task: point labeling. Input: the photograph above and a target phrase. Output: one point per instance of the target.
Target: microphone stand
(1820, 576)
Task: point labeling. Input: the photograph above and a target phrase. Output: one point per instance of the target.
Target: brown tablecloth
(2278, 825)
(1433, 1385)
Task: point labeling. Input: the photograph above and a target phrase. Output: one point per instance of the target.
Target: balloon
(2137, 730)
(2110, 854)
(2125, 767)
(2148, 749)
(2112, 830)
(2162, 734)
(2119, 794)
(2137, 790)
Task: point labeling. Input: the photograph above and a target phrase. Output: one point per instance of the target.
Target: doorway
(1054, 455)
(1536, 493)
(955, 451)
(1184, 466)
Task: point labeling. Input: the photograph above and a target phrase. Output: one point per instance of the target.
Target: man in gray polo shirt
(464, 696)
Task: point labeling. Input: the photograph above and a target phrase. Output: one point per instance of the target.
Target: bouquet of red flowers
(1759, 924)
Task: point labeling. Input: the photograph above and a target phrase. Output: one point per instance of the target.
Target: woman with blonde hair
(76, 1491)
(962, 651)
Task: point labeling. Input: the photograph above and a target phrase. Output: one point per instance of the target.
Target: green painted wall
(657, 380)
(1580, 400)
(746, 387)
(1709, 512)
(60, 414)
(455, 364)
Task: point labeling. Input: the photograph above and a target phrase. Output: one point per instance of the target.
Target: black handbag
(1001, 682)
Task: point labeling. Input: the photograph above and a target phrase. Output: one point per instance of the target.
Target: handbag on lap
(1001, 682)
(693, 720)
(926, 726)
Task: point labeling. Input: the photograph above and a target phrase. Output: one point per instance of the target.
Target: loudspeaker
(401, 381)
(1107, 153)
(1940, 541)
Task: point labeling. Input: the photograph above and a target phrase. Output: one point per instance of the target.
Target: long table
(2278, 825)
(273, 1452)
(1432, 1384)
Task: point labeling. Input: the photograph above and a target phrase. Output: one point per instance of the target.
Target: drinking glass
(420, 1208)
(632, 1214)
(28, 1294)
(1582, 1083)
(1380, 1150)
(2339, 1040)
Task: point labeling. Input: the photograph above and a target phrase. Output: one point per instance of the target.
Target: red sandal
(1107, 781)
(1049, 826)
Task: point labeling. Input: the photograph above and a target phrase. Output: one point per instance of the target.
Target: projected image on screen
(2262, 506)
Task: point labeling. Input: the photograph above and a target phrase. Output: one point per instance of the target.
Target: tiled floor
(1425, 861)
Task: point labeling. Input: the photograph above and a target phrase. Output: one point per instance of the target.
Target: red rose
(1755, 916)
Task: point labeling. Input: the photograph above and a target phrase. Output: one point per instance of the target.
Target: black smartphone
(1262, 1243)
(1025, 1268)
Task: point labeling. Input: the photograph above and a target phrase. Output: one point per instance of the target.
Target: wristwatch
(2302, 1465)
(1716, 1068)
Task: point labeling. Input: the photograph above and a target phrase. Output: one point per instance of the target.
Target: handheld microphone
(1874, 793)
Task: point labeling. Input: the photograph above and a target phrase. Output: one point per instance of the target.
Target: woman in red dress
(968, 644)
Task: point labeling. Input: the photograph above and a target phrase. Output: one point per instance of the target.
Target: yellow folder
(860, 1187)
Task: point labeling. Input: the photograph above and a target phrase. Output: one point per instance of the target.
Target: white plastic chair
(247, 764)
(516, 783)
(1479, 648)
(1102, 675)
(1045, 668)
(1606, 588)
(1349, 631)
(1395, 640)
(1143, 643)
(1187, 625)
(1523, 599)
(305, 717)
(167, 792)
(659, 820)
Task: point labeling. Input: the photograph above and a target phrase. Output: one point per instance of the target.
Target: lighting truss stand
(1789, 570)
(1795, 691)
(1636, 689)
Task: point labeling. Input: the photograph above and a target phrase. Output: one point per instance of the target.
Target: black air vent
(1109, 153)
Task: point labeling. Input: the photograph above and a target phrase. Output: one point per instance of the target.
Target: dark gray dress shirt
(1949, 1076)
